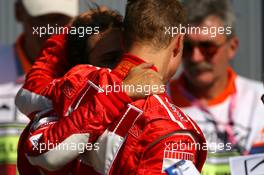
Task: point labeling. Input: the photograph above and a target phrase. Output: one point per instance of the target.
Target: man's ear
(178, 45)
(233, 46)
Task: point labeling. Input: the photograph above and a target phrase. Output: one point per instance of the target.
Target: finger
(142, 68)
(153, 74)
(157, 90)
(86, 14)
(145, 66)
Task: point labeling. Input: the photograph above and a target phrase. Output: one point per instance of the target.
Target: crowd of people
(58, 118)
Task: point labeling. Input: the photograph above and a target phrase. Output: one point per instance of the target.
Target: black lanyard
(212, 119)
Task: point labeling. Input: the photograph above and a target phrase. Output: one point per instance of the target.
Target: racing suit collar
(128, 61)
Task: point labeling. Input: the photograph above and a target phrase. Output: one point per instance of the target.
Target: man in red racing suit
(157, 149)
(45, 94)
(46, 84)
(151, 129)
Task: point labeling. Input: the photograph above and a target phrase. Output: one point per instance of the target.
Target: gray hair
(199, 10)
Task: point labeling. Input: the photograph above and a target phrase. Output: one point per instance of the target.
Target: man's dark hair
(78, 48)
(146, 20)
(199, 10)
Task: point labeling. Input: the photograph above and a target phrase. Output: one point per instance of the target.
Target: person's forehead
(51, 19)
(57, 16)
(209, 30)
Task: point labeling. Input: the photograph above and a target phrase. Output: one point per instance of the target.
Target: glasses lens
(187, 49)
(208, 48)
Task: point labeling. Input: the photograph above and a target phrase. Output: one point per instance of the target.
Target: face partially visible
(30, 22)
(52, 20)
(106, 48)
(206, 58)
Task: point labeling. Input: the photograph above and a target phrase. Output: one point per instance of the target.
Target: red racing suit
(141, 142)
(46, 90)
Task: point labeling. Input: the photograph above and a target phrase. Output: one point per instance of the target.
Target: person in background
(225, 105)
(16, 61)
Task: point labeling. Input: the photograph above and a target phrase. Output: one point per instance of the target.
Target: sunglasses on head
(207, 48)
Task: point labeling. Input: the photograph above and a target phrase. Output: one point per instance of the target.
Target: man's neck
(150, 56)
(207, 93)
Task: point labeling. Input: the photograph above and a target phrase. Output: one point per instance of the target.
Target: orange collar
(127, 62)
(24, 61)
(180, 100)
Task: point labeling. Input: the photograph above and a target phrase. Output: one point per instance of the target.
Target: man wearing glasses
(225, 105)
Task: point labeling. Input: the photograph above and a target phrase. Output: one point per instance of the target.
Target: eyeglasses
(207, 48)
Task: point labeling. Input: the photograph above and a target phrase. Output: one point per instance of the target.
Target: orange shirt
(182, 101)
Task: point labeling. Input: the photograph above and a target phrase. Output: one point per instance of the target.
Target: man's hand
(142, 81)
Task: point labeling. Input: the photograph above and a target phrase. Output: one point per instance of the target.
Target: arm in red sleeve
(47, 69)
(46, 87)
(52, 137)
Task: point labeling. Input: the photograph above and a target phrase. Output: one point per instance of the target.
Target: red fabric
(143, 151)
(46, 79)
(96, 111)
(8, 169)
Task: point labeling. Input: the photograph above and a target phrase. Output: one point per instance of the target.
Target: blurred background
(250, 19)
